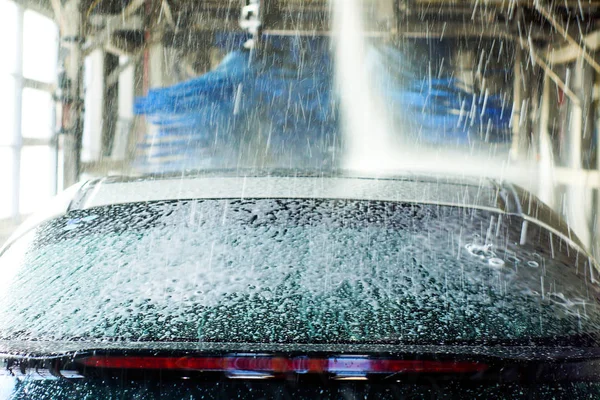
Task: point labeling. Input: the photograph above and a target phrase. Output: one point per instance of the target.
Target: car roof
(463, 192)
(469, 192)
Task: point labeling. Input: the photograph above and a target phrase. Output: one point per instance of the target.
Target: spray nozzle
(250, 19)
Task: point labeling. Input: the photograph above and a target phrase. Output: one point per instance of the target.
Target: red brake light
(278, 365)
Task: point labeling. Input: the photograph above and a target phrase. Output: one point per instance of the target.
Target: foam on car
(293, 270)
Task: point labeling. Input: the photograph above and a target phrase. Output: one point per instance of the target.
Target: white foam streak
(365, 121)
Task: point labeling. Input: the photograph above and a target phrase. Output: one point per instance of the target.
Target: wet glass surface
(294, 271)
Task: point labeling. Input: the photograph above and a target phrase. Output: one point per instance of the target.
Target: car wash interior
(506, 89)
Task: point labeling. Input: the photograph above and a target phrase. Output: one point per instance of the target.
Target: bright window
(27, 74)
(8, 32)
(37, 114)
(7, 107)
(40, 40)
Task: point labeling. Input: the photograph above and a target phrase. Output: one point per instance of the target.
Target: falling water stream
(365, 121)
(373, 141)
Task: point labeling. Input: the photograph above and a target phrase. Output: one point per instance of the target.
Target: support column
(579, 130)
(70, 103)
(94, 119)
(154, 53)
(546, 184)
(596, 198)
(156, 67)
(154, 64)
(111, 105)
(520, 122)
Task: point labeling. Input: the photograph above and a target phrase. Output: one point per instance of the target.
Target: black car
(220, 286)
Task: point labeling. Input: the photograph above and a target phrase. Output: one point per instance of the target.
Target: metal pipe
(166, 10)
(539, 60)
(558, 26)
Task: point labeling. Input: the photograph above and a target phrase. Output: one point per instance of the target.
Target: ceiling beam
(117, 22)
(112, 24)
(580, 47)
(540, 61)
(571, 52)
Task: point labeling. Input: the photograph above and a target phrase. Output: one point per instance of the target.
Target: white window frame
(18, 142)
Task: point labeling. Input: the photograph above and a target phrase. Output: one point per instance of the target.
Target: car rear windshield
(294, 271)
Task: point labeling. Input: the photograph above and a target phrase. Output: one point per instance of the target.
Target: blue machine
(277, 107)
